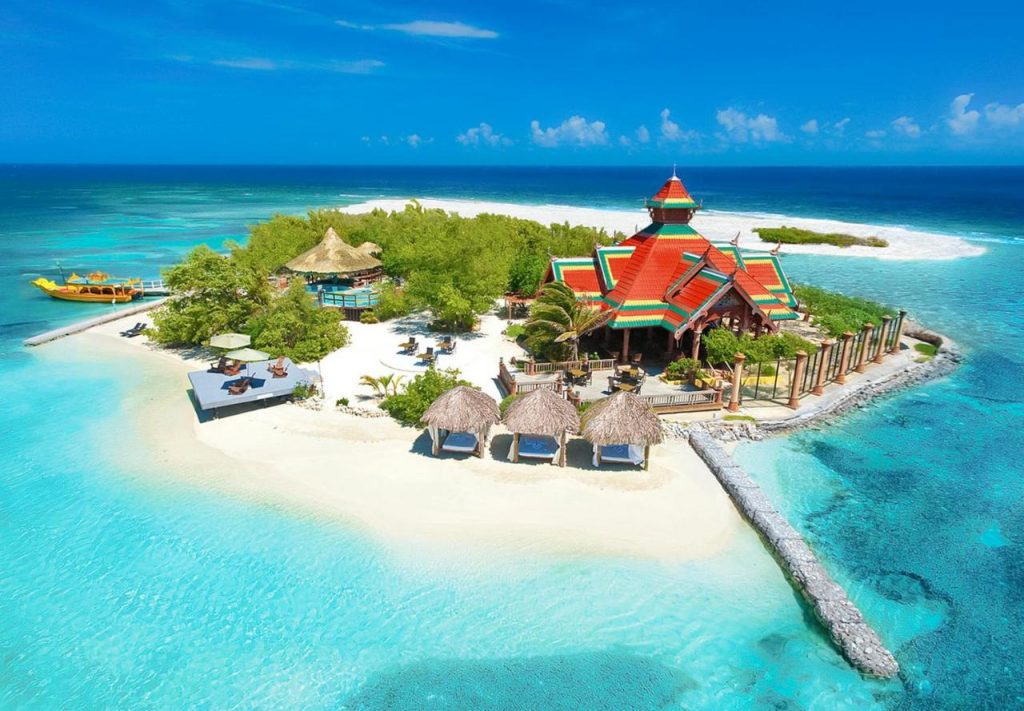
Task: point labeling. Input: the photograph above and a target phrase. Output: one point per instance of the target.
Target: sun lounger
(240, 386)
(534, 447)
(278, 369)
(233, 367)
(619, 454)
(463, 442)
(135, 330)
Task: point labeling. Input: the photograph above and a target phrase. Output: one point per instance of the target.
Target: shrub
(767, 370)
(368, 317)
(409, 405)
(681, 368)
(341, 402)
(515, 331)
(835, 313)
(392, 302)
(452, 311)
(722, 345)
(303, 391)
(795, 235)
(926, 349)
(503, 405)
(293, 325)
(584, 406)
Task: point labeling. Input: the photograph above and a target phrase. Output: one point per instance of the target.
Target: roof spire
(674, 176)
(735, 241)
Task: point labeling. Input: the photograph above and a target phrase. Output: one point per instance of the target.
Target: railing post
(798, 376)
(737, 379)
(882, 334)
(719, 390)
(819, 378)
(862, 360)
(844, 359)
(899, 332)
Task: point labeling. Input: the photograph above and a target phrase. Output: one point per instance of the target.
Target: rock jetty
(856, 640)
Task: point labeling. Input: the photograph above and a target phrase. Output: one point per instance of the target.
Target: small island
(795, 235)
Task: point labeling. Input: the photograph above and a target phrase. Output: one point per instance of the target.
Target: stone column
(862, 359)
(844, 359)
(882, 333)
(798, 377)
(737, 380)
(819, 377)
(899, 332)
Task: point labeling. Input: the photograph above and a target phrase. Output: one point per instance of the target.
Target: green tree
(409, 405)
(558, 317)
(525, 273)
(210, 294)
(295, 326)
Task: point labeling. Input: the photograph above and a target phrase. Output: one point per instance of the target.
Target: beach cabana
(622, 428)
(460, 419)
(333, 257)
(539, 422)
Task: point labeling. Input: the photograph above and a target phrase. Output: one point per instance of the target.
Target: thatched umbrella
(369, 248)
(622, 418)
(541, 412)
(333, 256)
(461, 409)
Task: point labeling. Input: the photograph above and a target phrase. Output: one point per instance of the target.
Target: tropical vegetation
(795, 235)
(721, 346)
(408, 404)
(835, 313)
(558, 320)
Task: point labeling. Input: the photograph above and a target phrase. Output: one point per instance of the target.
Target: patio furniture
(219, 366)
(428, 356)
(618, 454)
(628, 387)
(278, 369)
(240, 386)
(232, 367)
(134, 331)
(636, 358)
(447, 344)
(409, 347)
(577, 375)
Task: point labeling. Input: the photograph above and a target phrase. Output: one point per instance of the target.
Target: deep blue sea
(119, 588)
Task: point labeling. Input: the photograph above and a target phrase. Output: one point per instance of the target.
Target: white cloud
(576, 131)
(961, 121)
(1001, 116)
(427, 28)
(839, 127)
(265, 64)
(414, 140)
(875, 134)
(671, 131)
(482, 135)
(742, 128)
(906, 126)
(810, 126)
(642, 134)
(624, 141)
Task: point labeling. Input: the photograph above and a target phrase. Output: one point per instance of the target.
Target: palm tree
(559, 314)
(383, 386)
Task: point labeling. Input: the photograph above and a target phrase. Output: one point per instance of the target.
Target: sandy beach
(716, 226)
(379, 476)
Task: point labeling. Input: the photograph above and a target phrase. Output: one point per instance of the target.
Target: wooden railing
(531, 368)
(507, 379)
(691, 401)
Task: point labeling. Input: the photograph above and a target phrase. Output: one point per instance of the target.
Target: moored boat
(95, 288)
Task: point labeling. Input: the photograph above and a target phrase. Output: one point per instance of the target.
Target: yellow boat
(96, 288)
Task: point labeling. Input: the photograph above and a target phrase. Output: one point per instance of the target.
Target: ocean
(122, 588)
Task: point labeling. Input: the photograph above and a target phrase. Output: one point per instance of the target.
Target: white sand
(716, 226)
(379, 476)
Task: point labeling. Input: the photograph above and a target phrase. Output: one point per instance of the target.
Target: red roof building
(671, 277)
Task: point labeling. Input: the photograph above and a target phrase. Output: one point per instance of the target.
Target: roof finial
(778, 248)
(735, 241)
(674, 176)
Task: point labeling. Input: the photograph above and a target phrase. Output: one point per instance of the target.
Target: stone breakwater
(857, 641)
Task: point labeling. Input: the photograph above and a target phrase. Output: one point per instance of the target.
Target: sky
(559, 82)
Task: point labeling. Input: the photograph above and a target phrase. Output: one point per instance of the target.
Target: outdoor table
(577, 374)
(627, 387)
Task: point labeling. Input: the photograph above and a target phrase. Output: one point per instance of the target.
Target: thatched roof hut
(461, 410)
(541, 412)
(621, 419)
(333, 256)
(370, 248)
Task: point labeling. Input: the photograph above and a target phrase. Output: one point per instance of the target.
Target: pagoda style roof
(670, 275)
(673, 194)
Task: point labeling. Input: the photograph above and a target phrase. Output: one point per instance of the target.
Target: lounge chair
(239, 387)
(135, 330)
(278, 369)
(461, 442)
(536, 447)
(618, 454)
(219, 366)
(232, 367)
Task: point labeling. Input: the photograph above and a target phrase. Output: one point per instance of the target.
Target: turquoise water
(121, 586)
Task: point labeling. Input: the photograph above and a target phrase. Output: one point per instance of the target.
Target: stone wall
(857, 641)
